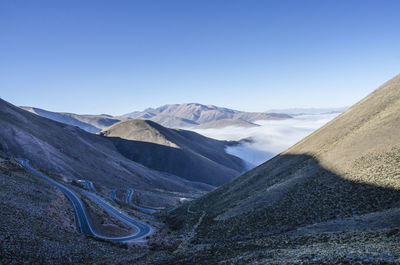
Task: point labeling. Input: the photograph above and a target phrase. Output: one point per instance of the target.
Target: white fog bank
(270, 138)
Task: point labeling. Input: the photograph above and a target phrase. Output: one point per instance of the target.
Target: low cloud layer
(271, 138)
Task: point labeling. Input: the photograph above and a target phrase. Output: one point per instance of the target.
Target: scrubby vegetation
(332, 198)
(37, 226)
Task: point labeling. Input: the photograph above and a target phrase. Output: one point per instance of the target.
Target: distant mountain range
(191, 115)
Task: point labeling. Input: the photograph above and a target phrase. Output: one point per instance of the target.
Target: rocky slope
(67, 152)
(333, 197)
(179, 152)
(37, 225)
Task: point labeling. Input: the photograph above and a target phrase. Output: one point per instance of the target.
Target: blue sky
(119, 56)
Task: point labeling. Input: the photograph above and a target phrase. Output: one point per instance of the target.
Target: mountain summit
(193, 114)
(172, 116)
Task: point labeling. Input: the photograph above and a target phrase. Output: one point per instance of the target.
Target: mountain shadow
(178, 161)
(183, 153)
(331, 198)
(298, 192)
(290, 206)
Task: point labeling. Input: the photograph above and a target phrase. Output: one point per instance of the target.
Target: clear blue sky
(119, 56)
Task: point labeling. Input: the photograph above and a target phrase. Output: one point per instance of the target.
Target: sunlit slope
(192, 114)
(372, 126)
(89, 123)
(348, 168)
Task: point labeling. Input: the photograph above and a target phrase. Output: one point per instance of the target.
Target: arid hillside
(183, 153)
(38, 226)
(69, 153)
(332, 197)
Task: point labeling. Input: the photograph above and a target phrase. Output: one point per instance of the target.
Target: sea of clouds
(270, 138)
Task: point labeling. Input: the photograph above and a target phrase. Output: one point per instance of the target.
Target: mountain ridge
(171, 115)
(87, 122)
(198, 114)
(183, 153)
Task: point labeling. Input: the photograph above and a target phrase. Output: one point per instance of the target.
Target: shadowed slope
(72, 153)
(182, 153)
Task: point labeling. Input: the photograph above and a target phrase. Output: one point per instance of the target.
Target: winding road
(113, 194)
(129, 201)
(141, 229)
(91, 187)
(129, 197)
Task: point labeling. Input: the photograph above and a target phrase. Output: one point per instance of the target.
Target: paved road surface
(141, 229)
(129, 201)
(113, 194)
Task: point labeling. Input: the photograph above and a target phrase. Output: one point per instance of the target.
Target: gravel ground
(37, 226)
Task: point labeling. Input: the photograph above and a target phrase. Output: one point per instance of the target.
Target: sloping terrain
(89, 123)
(179, 152)
(37, 225)
(217, 124)
(171, 121)
(333, 197)
(191, 114)
(68, 153)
